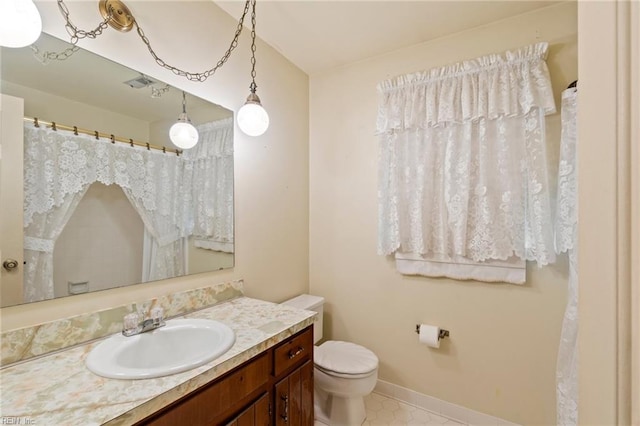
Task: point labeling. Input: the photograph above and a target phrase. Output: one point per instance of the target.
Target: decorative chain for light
(200, 76)
(156, 93)
(253, 85)
(77, 34)
(47, 56)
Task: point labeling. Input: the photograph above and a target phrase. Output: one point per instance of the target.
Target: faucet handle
(131, 324)
(157, 315)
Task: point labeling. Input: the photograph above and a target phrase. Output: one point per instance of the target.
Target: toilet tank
(310, 303)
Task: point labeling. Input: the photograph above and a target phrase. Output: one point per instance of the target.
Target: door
(294, 397)
(11, 204)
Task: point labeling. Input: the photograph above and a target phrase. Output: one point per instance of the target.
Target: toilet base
(335, 410)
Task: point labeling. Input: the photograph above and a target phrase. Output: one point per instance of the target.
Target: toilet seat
(344, 359)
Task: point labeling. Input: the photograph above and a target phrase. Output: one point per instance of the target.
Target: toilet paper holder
(441, 335)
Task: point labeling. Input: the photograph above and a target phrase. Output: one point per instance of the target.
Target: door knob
(10, 264)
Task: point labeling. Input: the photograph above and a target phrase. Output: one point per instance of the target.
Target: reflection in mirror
(92, 213)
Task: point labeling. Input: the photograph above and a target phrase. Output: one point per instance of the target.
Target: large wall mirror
(81, 212)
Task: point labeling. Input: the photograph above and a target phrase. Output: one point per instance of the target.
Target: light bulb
(252, 117)
(183, 134)
(20, 23)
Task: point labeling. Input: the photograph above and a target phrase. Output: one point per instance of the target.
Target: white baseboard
(438, 406)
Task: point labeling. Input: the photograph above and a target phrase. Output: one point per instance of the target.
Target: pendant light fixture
(183, 134)
(20, 23)
(252, 117)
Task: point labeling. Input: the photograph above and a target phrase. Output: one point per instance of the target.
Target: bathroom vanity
(275, 387)
(265, 378)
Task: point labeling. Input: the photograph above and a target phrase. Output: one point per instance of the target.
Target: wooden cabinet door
(294, 398)
(281, 402)
(263, 410)
(215, 403)
(246, 418)
(306, 394)
(257, 414)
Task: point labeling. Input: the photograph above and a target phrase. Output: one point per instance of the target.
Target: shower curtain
(566, 236)
(58, 169)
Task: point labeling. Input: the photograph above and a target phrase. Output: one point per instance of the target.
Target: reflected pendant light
(20, 23)
(252, 117)
(183, 134)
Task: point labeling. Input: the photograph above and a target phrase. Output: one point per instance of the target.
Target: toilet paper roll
(430, 335)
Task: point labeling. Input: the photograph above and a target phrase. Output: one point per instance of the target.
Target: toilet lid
(344, 358)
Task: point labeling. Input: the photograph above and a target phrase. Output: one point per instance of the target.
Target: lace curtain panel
(39, 240)
(566, 231)
(212, 186)
(462, 162)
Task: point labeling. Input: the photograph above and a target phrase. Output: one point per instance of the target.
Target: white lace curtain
(212, 186)
(462, 160)
(566, 229)
(39, 239)
(58, 169)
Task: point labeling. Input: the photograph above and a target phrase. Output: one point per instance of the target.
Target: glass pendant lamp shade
(20, 23)
(253, 119)
(183, 134)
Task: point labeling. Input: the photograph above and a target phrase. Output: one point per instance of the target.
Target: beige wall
(271, 172)
(501, 356)
(50, 107)
(101, 243)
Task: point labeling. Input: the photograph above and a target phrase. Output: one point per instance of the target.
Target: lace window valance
(462, 160)
(490, 87)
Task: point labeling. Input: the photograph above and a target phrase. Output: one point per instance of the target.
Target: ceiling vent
(140, 82)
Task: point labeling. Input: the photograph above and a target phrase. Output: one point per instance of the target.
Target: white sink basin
(179, 346)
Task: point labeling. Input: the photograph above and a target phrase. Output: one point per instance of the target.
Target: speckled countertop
(58, 389)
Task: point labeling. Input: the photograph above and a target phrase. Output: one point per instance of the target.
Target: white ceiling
(318, 35)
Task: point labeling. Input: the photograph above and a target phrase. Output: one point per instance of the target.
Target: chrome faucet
(132, 325)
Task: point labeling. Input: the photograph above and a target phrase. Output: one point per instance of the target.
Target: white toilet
(344, 373)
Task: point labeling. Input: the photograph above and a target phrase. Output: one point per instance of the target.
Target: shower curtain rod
(55, 126)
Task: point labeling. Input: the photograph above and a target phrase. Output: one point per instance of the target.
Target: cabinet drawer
(293, 351)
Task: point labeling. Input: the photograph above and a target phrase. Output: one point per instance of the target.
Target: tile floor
(382, 410)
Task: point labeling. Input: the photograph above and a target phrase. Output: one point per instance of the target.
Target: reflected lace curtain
(39, 240)
(566, 229)
(163, 207)
(58, 169)
(211, 162)
(462, 160)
